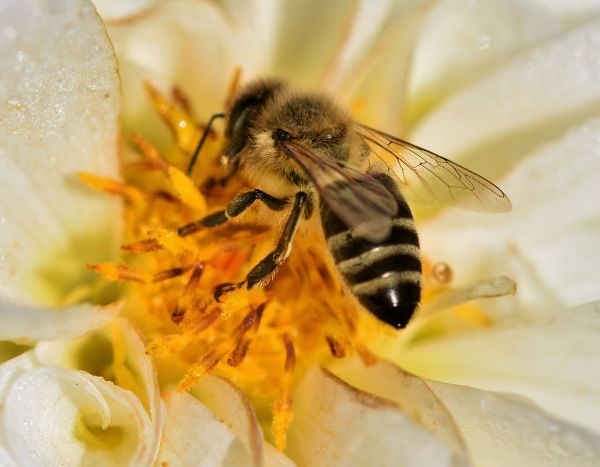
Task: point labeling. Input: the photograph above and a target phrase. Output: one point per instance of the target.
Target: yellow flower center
(261, 339)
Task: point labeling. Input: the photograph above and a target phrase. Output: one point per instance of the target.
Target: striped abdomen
(384, 276)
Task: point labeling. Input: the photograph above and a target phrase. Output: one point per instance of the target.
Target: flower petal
(410, 393)
(504, 430)
(229, 404)
(25, 323)
(497, 120)
(186, 44)
(122, 350)
(551, 359)
(112, 10)
(461, 40)
(305, 44)
(59, 113)
(375, 80)
(195, 437)
(573, 11)
(54, 413)
(547, 243)
(6, 459)
(373, 29)
(256, 24)
(274, 458)
(133, 366)
(337, 424)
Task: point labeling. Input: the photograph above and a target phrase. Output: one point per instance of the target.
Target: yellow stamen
(186, 191)
(151, 153)
(170, 273)
(109, 185)
(121, 272)
(172, 242)
(182, 125)
(142, 246)
(283, 414)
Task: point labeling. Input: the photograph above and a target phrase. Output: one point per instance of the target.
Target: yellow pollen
(172, 242)
(109, 185)
(121, 272)
(186, 191)
(186, 132)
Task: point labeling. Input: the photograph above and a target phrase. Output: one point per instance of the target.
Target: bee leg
(201, 143)
(239, 204)
(267, 265)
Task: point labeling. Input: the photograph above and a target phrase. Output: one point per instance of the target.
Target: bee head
(269, 113)
(312, 119)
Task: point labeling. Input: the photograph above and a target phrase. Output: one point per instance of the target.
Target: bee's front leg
(239, 204)
(267, 266)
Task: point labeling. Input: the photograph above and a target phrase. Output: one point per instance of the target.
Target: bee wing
(429, 176)
(358, 199)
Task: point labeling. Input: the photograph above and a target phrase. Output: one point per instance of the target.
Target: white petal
(188, 44)
(256, 23)
(129, 365)
(195, 437)
(306, 42)
(6, 459)
(502, 430)
(230, 404)
(13, 368)
(573, 11)
(52, 415)
(143, 371)
(10, 350)
(410, 393)
(274, 458)
(497, 120)
(460, 40)
(373, 68)
(25, 323)
(338, 425)
(373, 27)
(551, 359)
(112, 10)
(59, 111)
(548, 243)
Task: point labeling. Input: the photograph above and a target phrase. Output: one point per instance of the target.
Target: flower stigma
(263, 339)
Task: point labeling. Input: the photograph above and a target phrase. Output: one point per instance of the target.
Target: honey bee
(303, 152)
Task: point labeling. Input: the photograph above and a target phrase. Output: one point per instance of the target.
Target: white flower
(523, 77)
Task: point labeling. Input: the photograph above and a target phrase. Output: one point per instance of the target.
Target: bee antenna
(201, 143)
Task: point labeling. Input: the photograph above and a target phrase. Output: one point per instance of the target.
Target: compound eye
(280, 135)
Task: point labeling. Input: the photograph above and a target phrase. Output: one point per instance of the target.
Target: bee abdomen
(385, 277)
(378, 261)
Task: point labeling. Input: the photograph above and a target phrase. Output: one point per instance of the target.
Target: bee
(303, 152)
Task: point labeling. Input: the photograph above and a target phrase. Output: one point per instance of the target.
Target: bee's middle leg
(269, 263)
(239, 204)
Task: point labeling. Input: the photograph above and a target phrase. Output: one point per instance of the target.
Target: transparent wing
(358, 199)
(431, 177)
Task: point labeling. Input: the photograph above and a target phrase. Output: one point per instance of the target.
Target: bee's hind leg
(239, 204)
(267, 266)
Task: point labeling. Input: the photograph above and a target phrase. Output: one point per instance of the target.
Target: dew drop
(483, 42)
